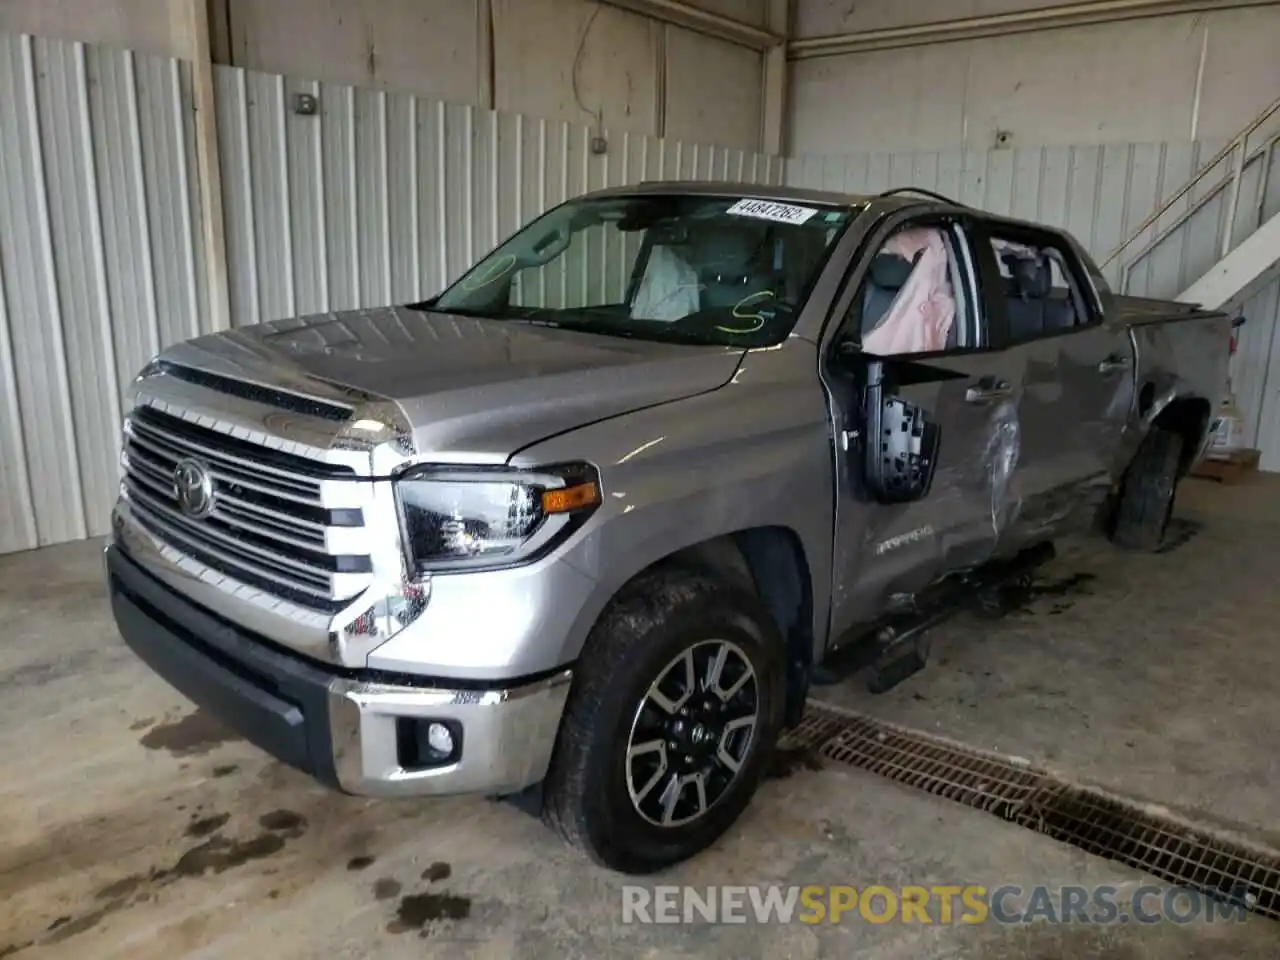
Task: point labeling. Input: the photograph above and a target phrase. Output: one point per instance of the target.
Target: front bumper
(346, 728)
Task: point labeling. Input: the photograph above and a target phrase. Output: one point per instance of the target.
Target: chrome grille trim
(226, 468)
(146, 496)
(181, 537)
(296, 534)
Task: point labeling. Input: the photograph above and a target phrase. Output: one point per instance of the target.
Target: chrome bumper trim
(507, 736)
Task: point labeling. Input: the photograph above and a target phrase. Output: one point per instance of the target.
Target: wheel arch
(771, 562)
(1188, 416)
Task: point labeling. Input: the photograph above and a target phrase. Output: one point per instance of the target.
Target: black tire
(646, 629)
(1146, 498)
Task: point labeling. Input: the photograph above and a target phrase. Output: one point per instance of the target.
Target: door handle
(988, 392)
(1114, 364)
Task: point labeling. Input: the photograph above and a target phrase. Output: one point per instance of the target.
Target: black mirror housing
(901, 445)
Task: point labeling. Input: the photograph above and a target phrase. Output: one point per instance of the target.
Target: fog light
(440, 739)
(425, 742)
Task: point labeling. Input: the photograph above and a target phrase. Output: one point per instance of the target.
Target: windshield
(732, 271)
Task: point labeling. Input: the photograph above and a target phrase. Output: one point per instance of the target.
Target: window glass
(1040, 294)
(911, 299)
(727, 270)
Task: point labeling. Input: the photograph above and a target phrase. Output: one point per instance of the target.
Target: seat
(887, 276)
(729, 266)
(1059, 311)
(1026, 295)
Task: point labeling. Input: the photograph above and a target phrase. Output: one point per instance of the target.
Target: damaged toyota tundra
(584, 528)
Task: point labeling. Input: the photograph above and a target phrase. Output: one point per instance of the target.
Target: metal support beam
(681, 14)
(220, 32)
(773, 128)
(206, 123)
(485, 55)
(1005, 24)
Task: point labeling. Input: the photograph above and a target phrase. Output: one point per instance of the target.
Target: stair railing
(1237, 151)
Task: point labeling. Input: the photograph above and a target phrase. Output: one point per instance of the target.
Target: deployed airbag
(669, 288)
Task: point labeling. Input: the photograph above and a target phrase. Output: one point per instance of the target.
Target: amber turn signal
(568, 499)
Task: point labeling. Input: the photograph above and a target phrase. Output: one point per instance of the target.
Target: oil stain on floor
(1179, 533)
(196, 733)
(787, 760)
(203, 826)
(215, 855)
(1021, 598)
(421, 912)
(418, 910)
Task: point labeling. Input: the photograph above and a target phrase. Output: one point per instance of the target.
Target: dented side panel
(1180, 358)
(883, 551)
(1074, 404)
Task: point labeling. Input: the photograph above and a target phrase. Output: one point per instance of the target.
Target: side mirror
(901, 446)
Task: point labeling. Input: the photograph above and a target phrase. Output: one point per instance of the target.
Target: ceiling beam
(1005, 24)
(716, 25)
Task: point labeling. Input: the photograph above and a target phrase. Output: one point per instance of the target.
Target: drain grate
(1098, 824)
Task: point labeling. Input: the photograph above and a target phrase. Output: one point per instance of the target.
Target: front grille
(269, 526)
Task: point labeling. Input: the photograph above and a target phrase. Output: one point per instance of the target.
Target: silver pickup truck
(589, 523)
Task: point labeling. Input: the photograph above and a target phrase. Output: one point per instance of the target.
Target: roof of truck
(881, 203)
(763, 191)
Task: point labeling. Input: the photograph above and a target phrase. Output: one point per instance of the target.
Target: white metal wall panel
(714, 89)
(381, 198)
(1100, 193)
(99, 267)
(1142, 80)
(430, 47)
(1254, 379)
(815, 18)
(54, 507)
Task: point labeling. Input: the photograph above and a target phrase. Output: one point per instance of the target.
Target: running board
(897, 646)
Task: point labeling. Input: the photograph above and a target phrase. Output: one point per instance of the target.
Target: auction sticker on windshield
(769, 210)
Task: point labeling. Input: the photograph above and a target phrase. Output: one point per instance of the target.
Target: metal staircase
(1239, 188)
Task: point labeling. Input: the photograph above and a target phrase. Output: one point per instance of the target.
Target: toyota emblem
(193, 487)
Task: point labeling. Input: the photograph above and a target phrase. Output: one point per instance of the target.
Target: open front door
(897, 528)
(887, 548)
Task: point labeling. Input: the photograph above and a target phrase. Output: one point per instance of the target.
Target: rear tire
(635, 734)
(1146, 498)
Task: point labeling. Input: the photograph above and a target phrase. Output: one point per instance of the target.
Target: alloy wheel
(692, 733)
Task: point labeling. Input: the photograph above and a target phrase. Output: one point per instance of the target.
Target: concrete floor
(136, 828)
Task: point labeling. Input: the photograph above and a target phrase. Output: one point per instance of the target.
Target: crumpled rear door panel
(1183, 357)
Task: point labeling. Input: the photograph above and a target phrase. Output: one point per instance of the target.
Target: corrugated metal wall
(100, 266)
(1255, 379)
(378, 198)
(1100, 193)
(385, 197)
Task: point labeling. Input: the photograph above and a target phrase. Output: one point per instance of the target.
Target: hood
(471, 388)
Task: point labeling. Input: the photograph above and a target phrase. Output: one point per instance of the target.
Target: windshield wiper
(429, 306)
(656, 332)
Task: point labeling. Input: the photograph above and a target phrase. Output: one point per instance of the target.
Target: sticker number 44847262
(771, 210)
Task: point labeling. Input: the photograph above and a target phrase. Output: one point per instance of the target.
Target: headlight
(468, 518)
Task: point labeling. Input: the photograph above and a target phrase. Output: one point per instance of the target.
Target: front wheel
(674, 713)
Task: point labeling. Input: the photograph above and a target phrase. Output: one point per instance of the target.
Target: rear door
(969, 387)
(1077, 381)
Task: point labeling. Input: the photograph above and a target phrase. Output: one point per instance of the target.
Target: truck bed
(1138, 311)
